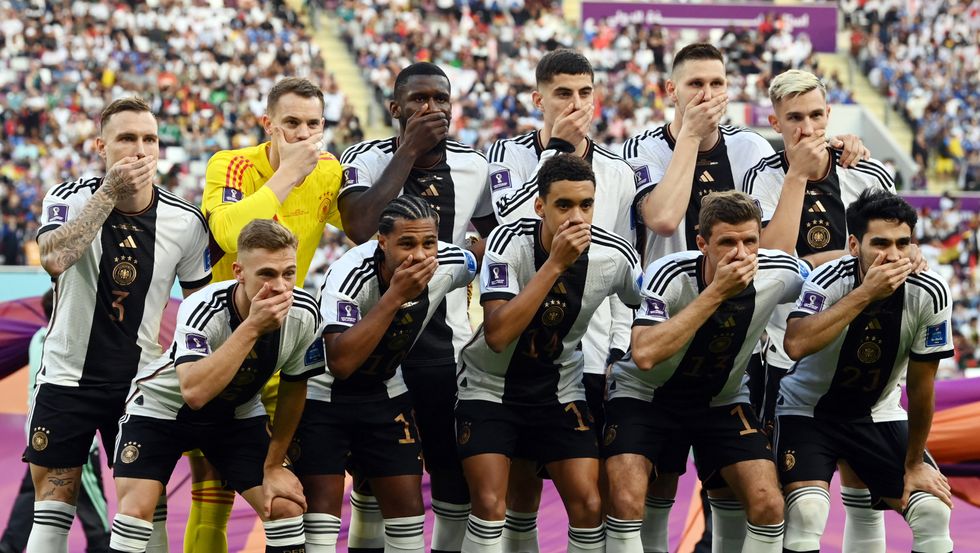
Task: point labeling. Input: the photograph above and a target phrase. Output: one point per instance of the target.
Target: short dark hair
(696, 51)
(301, 87)
(562, 61)
(731, 206)
(422, 68)
(563, 167)
(410, 208)
(119, 105)
(878, 204)
(266, 234)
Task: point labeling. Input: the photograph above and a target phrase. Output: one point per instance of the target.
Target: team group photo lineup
(489, 276)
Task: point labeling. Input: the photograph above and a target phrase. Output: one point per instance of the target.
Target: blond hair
(793, 83)
(266, 234)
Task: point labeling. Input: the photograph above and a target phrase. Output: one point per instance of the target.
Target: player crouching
(204, 393)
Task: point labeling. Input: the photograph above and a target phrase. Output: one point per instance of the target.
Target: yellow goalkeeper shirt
(235, 194)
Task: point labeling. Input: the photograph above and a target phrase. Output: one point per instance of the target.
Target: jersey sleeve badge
(936, 335)
(498, 275)
(347, 312)
(500, 180)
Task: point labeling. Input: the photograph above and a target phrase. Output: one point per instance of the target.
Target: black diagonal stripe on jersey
(792, 267)
(463, 149)
(616, 241)
(256, 369)
(748, 181)
(877, 171)
(659, 280)
(369, 380)
(934, 288)
(112, 355)
(730, 130)
(504, 233)
(203, 312)
(308, 304)
(173, 200)
(710, 356)
(822, 223)
(865, 362)
(533, 374)
(355, 278)
(509, 204)
(358, 149)
(834, 272)
(388, 146)
(67, 189)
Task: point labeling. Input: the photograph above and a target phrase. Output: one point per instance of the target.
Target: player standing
(287, 179)
(564, 94)
(231, 337)
(684, 379)
(861, 324)
(375, 301)
(804, 190)
(520, 378)
(422, 161)
(114, 246)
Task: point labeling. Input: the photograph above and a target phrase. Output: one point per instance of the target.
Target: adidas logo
(729, 323)
(252, 355)
(706, 177)
(128, 242)
(431, 191)
(406, 320)
(559, 288)
(873, 325)
(817, 208)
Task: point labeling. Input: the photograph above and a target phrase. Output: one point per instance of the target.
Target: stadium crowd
(491, 50)
(62, 62)
(923, 57)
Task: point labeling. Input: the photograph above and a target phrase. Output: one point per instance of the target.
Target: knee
(928, 517)
(137, 506)
(766, 507)
(488, 504)
(806, 512)
(61, 485)
(585, 509)
(625, 502)
(285, 508)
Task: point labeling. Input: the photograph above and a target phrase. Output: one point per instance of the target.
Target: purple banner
(819, 22)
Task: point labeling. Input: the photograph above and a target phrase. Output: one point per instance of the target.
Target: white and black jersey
(457, 188)
(514, 164)
(721, 168)
(541, 366)
(108, 305)
(823, 226)
(857, 376)
(709, 371)
(205, 321)
(351, 289)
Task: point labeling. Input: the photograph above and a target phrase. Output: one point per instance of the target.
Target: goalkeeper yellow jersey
(235, 194)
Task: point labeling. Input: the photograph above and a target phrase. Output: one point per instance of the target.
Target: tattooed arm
(63, 246)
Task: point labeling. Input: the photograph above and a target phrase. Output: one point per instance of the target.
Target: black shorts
(595, 397)
(433, 393)
(541, 433)
(374, 438)
(149, 448)
(720, 436)
(64, 420)
(808, 449)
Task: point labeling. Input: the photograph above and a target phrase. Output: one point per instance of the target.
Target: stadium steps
(343, 65)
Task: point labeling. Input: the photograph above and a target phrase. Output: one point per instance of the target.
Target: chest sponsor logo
(936, 335)
(197, 342)
(347, 312)
(812, 301)
(498, 275)
(500, 180)
(58, 213)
